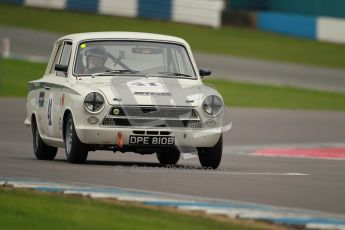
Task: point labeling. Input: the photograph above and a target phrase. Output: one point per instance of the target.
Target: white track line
(262, 173)
(196, 171)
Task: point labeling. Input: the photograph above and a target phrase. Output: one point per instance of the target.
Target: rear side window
(65, 56)
(56, 58)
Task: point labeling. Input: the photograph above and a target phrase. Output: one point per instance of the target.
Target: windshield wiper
(117, 72)
(120, 71)
(176, 74)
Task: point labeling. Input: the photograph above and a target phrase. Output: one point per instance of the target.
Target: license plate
(151, 140)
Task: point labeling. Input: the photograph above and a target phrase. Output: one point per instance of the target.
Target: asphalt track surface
(315, 184)
(38, 45)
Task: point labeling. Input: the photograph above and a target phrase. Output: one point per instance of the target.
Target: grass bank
(237, 94)
(24, 209)
(227, 40)
(15, 74)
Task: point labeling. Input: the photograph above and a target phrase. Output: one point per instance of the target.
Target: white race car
(127, 92)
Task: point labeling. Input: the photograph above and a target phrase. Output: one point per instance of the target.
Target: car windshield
(133, 58)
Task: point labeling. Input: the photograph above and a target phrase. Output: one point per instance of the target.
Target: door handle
(47, 87)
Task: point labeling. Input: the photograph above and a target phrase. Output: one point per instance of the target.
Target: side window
(56, 58)
(66, 54)
(51, 60)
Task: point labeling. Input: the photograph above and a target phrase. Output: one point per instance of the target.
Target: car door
(57, 80)
(45, 96)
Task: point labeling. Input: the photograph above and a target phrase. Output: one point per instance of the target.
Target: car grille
(152, 116)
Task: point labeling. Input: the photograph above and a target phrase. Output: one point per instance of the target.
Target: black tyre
(169, 157)
(211, 157)
(41, 150)
(76, 152)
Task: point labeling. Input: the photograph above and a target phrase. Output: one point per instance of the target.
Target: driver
(95, 60)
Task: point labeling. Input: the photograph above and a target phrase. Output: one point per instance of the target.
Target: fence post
(5, 47)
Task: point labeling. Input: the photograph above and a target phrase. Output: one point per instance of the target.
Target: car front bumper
(183, 137)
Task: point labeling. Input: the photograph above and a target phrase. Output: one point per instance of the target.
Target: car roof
(121, 35)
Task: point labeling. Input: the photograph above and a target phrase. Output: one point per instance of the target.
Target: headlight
(94, 102)
(212, 105)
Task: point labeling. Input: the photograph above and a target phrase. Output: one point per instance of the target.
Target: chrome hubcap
(68, 136)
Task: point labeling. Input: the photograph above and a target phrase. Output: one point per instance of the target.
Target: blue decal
(41, 99)
(50, 105)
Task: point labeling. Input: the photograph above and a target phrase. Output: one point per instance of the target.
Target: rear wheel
(169, 157)
(76, 151)
(211, 157)
(41, 150)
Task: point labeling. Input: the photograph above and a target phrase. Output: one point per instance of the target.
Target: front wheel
(169, 157)
(211, 157)
(76, 151)
(41, 150)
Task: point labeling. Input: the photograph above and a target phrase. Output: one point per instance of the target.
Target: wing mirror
(62, 68)
(204, 72)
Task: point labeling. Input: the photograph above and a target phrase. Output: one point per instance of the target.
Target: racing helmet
(96, 57)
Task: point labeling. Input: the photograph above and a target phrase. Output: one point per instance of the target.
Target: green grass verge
(238, 94)
(15, 74)
(227, 40)
(31, 210)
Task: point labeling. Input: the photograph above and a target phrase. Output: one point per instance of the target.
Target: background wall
(200, 12)
(293, 25)
(322, 20)
(332, 8)
(331, 29)
(312, 19)
(248, 4)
